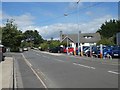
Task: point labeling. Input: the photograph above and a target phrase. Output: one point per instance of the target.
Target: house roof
(84, 37)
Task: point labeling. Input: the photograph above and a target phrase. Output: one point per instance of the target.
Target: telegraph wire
(70, 13)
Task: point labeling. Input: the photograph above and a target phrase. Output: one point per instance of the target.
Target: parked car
(115, 51)
(107, 51)
(25, 49)
(70, 50)
(56, 50)
(94, 49)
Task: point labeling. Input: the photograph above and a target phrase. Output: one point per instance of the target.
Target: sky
(49, 18)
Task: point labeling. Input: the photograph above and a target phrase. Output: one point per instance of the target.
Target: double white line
(30, 65)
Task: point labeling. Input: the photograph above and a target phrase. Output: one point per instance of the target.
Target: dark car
(56, 50)
(115, 51)
(93, 52)
(106, 53)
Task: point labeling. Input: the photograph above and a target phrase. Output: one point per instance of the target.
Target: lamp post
(79, 32)
(67, 36)
(67, 46)
(79, 42)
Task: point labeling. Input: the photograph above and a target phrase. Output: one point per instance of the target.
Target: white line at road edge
(113, 72)
(84, 66)
(29, 64)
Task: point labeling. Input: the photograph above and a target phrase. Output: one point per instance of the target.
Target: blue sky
(46, 17)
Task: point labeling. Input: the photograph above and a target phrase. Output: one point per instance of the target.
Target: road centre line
(29, 64)
(84, 66)
(113, 72)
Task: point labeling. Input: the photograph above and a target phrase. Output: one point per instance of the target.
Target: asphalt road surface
(36, 69)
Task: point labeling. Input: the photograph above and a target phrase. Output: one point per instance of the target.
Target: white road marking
(49, 57)
(38, 54)
(55, 54)
(29, 64)
(45, 56)
(113, 72)
(59, 60)
(84, 66)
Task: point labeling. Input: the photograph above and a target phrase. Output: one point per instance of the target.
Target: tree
(44, 46)
(105, 41)
(33, 37)
(54, 43)
(108, 31)
(11, 36)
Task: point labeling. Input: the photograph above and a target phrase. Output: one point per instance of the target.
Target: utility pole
(79, 42)
(78, 29)
(67, 45)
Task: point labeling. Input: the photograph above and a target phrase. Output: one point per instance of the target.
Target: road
(36, 69)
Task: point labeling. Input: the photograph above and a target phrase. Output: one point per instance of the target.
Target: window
(88, 37)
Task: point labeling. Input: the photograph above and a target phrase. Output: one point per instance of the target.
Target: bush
(14, 49)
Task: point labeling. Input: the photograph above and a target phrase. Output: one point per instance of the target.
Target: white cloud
(25, 22)
(89, 13)
(69, 28)
(21, 20)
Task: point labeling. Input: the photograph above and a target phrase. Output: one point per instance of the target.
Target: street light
(67, 35)
(79, 42)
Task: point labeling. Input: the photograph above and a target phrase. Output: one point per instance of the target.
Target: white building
(85, 39)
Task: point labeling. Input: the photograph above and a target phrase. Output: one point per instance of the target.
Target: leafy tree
(54, 43)
(33, 37)
(108, 31)
(44, 46)
(105, 41)
(11, 36)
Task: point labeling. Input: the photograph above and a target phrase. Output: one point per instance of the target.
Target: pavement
(6, 75)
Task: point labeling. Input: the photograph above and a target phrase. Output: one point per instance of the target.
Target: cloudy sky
(51, 17)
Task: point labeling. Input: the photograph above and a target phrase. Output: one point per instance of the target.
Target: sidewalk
(6, 75)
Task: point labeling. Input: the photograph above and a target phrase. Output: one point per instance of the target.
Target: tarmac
(6, 73)
(6, 69)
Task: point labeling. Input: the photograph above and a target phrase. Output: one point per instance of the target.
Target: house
(85, 39)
